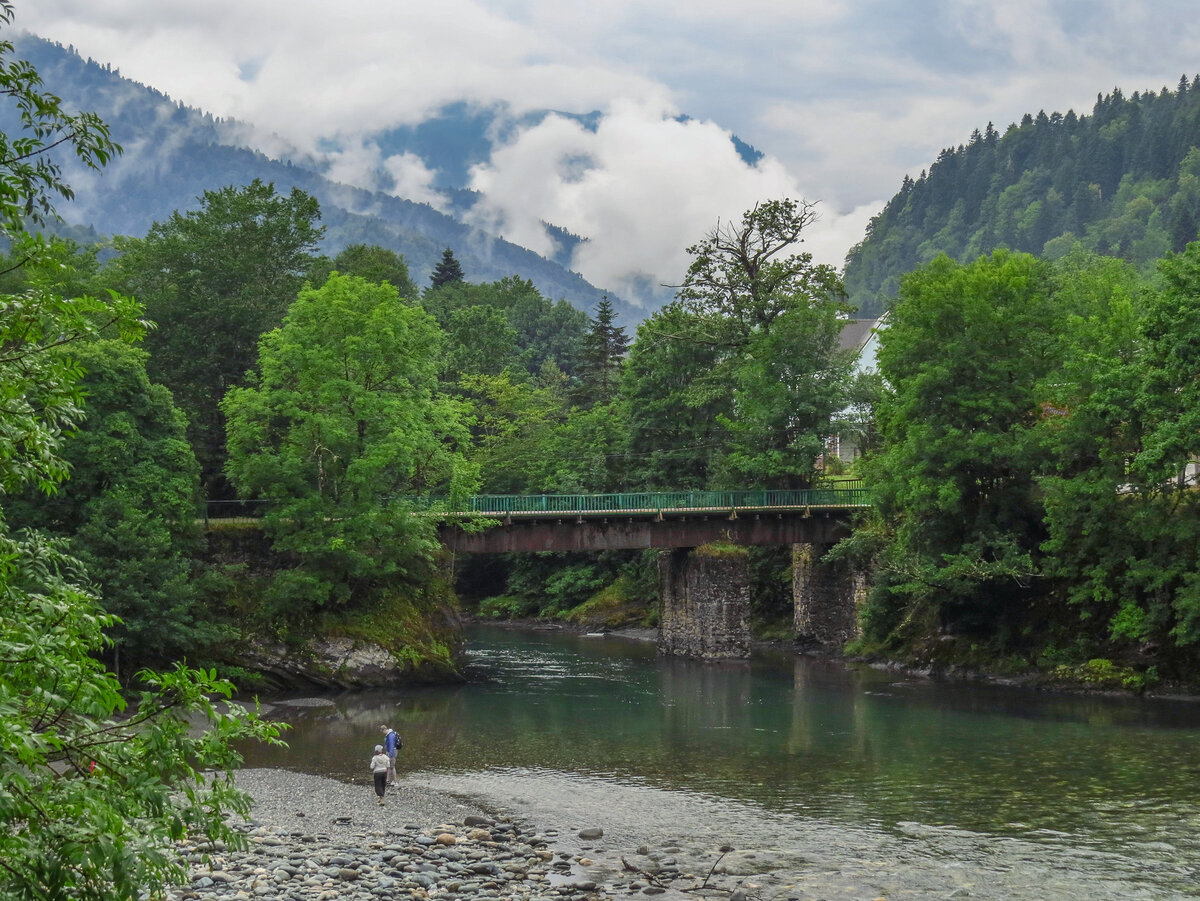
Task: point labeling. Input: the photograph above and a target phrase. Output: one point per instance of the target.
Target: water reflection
(800, 738)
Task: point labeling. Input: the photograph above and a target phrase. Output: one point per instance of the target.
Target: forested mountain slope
(1123, 181)
(172, 154)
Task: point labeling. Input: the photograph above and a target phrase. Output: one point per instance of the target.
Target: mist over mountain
(172, 154)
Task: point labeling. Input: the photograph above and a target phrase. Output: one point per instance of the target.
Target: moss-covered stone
(408, 633)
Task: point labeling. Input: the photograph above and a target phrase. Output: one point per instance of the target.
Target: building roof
(856, 333)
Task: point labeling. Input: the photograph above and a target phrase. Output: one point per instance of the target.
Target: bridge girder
(575, 533)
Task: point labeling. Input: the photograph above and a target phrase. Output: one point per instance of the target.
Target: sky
(843, 98)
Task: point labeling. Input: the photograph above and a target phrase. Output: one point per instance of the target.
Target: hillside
(173, 153)
(1123, 181)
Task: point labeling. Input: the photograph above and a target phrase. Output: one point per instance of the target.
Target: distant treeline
(1124, 181)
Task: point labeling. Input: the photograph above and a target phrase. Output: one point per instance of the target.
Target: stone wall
(705, 603)
(827, 597)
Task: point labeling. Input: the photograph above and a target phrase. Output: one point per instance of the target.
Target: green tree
(369, 261)
(965, 354)
(745, 277)
(214, 280)
(91, 801)
(675, 408)
(447, 271)
(1104, 521)
(1170, 589)
(545, 330)
(604, 348)
(479, 342)
(770, 318)
(789, 382)
(341, 425)
(129, 509)
(514, 422)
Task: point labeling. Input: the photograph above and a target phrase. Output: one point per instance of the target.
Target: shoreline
(1038, 680)
(314, 837)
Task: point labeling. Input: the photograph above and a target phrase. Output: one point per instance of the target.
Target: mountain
(173, 153)
(1123, 181)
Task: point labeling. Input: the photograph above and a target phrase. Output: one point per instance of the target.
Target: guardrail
(663, 501)
(848, 493)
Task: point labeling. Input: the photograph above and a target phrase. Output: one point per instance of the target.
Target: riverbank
(313, 838)
(1097, 677)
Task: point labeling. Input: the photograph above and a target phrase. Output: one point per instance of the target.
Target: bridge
(623, 521)
(705, 593)
(651, 519)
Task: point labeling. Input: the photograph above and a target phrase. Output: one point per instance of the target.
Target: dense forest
(1123, 182)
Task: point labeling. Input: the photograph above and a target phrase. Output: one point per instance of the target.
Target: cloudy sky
(843, 97)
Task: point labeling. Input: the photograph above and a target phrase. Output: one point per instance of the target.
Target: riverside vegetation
(1024, 434)
(1027, 440)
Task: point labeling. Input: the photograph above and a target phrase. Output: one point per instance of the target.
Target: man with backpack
(391, 744)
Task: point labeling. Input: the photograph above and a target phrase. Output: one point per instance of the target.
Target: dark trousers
(381, 783)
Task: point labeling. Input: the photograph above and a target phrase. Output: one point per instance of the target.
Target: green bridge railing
(843, 494)
(663, 501)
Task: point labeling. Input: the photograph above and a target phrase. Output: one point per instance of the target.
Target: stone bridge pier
(705, 604)
(827, 598)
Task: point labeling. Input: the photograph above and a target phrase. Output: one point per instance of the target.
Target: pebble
(301, 846)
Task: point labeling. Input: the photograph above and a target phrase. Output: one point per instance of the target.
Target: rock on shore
(317, 839)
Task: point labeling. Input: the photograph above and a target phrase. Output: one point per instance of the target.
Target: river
(860, 783)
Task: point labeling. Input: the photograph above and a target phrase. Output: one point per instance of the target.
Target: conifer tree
(447, 270)
(603, 349)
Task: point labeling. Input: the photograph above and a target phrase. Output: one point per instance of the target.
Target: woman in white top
(379, 766)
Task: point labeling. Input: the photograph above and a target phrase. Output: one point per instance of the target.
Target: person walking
(391, 744)
(379, 766)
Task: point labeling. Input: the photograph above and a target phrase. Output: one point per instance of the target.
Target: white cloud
(361, 164)
(414, 180)
(644, 186)
(309, 70)
(844, 96)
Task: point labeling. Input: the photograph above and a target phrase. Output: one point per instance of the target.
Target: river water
(854, 783)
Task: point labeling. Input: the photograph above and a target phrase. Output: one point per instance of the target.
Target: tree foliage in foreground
(94, 789)
(128, 511)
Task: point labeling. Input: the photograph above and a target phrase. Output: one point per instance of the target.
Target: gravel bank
(288, 802)
(317, 839)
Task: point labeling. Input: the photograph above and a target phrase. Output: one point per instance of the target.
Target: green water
(883, 784)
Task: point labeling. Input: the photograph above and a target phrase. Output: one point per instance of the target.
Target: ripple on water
(840, 860)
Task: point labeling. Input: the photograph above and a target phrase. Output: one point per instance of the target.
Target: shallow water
(866, 784)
